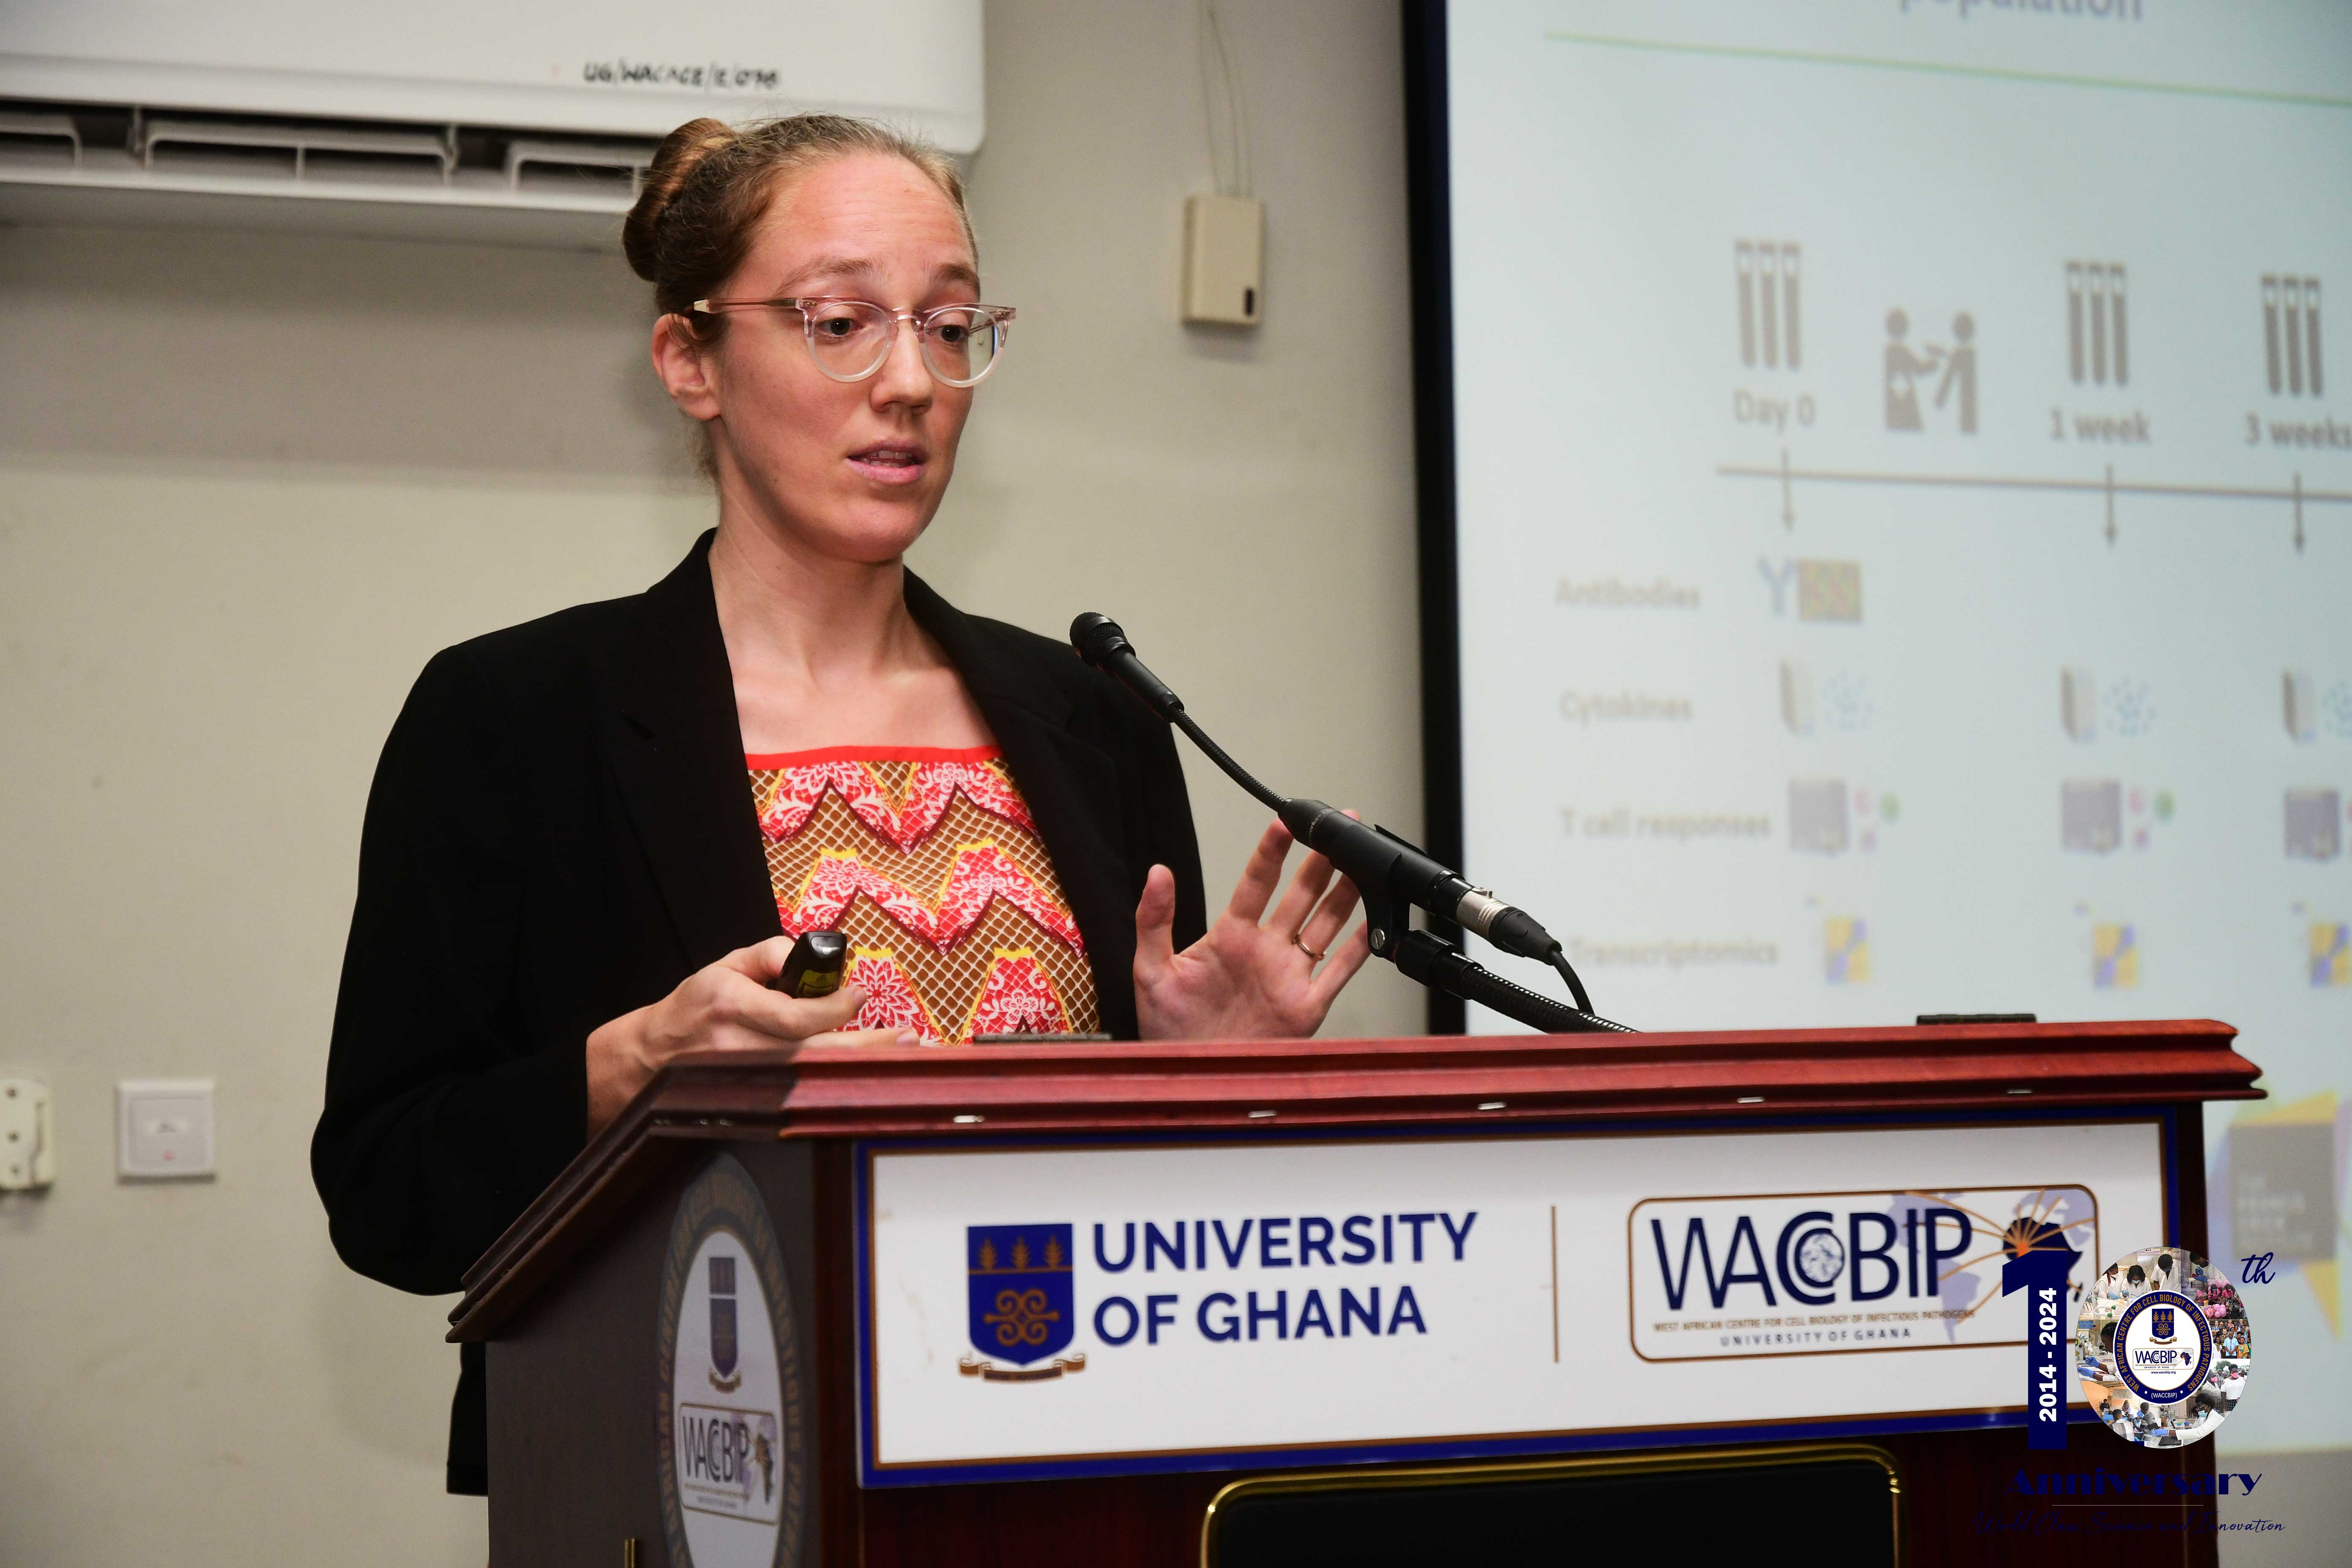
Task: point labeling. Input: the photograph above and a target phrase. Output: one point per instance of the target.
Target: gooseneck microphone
(1383, 866)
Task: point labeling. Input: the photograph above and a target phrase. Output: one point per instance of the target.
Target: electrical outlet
(28, 1149)
(164, 1127)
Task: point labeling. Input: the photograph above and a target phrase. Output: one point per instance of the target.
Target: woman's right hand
(725, 1007)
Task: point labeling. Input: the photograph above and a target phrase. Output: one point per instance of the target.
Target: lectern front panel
(1131, 1305)
(1049, 1302)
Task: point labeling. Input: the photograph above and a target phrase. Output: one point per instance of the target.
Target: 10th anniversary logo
(2163, 1348)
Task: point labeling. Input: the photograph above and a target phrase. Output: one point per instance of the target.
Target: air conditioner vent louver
(35, 141)
(300, 150)
(447, 180)
(615, 167)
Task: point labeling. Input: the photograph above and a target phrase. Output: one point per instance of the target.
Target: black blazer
(562, 829)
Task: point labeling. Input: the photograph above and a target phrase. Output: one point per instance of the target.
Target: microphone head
(1097, 637)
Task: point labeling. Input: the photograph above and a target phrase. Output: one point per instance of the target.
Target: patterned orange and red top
(928, 861)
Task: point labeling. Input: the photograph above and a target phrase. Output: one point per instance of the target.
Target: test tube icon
(2291, 335)
(2311, 331)
(2302, 717)
(1743, 255)
(2074, 325)
(2098, 336)
(2271, 330)
(2291, 331)
(2098, 323)
(2118, 327)
(1797, 704)
(1769, 275)
(1789, 279)
(2078, 704)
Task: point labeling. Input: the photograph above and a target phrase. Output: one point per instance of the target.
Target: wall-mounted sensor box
(1224, 260)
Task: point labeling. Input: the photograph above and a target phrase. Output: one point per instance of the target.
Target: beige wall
(248, 484)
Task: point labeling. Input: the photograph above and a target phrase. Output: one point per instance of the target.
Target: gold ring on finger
(1306, 950)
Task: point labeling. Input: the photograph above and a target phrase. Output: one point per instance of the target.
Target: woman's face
(850, 470)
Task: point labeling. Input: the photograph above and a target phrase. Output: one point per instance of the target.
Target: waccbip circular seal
(2163, 1347)
(733, 1468)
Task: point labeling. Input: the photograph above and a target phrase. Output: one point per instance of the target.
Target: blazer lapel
(1072, 788)
(677, 755)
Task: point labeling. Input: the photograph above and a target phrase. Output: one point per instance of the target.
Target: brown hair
(711, 184)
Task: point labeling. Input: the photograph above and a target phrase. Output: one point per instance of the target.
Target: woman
(592, 838)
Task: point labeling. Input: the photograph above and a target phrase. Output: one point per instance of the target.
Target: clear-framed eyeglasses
(850, 339)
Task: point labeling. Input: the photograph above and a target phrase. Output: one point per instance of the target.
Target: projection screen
(1887, 539)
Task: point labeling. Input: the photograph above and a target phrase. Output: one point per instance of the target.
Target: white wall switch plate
(1224, 260)
(29, 1150)
(164, 1127)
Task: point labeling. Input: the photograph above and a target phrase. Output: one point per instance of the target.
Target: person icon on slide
(1960, 368)
(1904, 369)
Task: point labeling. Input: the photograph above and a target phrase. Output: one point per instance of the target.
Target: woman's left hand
(1245, 980)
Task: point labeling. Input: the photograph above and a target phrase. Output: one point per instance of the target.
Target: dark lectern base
(1958, 1512)
(1612, 1511)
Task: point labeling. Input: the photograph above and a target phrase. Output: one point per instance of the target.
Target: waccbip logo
(1814, 1273)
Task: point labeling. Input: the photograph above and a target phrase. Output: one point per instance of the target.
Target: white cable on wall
(1223, 106)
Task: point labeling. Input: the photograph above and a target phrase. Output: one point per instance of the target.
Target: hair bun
(681, 153)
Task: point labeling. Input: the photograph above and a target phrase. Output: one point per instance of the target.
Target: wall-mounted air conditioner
(523, 121)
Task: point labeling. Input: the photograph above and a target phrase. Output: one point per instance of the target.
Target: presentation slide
(1905, 534)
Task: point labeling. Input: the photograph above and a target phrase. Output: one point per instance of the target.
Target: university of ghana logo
(1023, 1303)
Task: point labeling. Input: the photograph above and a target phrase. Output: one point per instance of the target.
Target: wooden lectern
(1576, 1399)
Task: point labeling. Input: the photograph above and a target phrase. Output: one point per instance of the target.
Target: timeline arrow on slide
(2108, 487)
